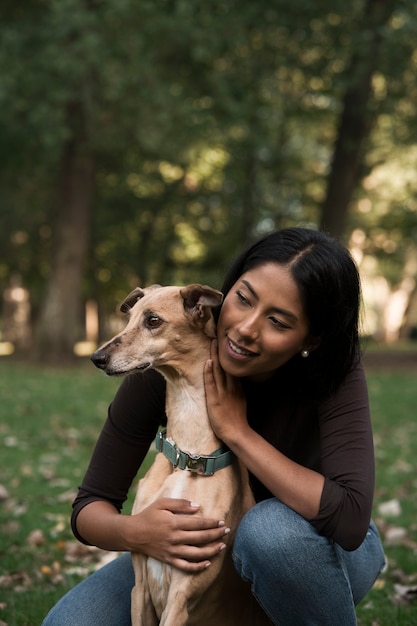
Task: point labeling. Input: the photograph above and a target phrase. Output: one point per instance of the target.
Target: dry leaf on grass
(36, 538)
(404, 594)
(390, 508)
(20, 581)
(4, 494)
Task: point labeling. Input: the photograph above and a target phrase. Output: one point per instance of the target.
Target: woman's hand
(170, 530)
(226, 403)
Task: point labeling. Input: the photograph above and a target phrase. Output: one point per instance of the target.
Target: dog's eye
(153, 321)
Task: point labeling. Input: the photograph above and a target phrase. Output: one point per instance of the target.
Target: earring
(305, 353)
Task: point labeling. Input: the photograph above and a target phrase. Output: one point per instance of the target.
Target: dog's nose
(100, 359)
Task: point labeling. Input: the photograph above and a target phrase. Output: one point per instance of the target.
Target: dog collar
(202, 464)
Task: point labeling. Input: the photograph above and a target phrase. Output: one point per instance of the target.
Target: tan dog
(170, 330)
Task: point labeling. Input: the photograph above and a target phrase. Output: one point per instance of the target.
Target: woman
(286, 392)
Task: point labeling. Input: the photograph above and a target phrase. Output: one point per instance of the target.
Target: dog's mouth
(143, 367)
(129, 370)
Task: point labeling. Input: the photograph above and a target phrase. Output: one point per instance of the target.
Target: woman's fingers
(195, 559)
(179, 537)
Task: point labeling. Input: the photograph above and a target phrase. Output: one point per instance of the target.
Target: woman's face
(262, 323)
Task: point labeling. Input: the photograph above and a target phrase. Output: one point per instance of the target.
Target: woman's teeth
(239, 350)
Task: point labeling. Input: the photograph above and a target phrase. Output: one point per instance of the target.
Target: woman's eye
(278, 324)
(241, 297)
(153, 321)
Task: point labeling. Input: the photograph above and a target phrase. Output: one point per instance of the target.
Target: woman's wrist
(127, 533)
(237, 438)
(101, 525)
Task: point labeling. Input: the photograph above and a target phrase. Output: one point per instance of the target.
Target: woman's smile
(239, 352)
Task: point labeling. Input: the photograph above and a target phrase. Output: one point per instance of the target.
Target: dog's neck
(188, 423)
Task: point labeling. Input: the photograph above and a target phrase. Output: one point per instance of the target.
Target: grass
(49, 421)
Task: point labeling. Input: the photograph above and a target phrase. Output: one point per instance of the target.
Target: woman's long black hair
(329, 284)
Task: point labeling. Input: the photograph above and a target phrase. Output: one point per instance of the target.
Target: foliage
(201, 140)
(48, 425)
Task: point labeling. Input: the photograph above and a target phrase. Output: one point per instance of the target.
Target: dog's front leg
(142, 611)
(175, 614)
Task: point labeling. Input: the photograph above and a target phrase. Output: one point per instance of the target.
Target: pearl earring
(305, 353)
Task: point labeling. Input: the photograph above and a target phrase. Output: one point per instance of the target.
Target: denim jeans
(299, 577)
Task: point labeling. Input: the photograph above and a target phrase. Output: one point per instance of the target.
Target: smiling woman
(262, 324)
(286, 392)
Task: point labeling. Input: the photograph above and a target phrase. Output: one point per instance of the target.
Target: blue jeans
(299, 577)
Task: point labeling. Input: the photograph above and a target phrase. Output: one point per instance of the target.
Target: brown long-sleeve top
(333, 437)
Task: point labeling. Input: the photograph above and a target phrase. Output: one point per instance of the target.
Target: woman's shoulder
(351, 395)
(139, 402)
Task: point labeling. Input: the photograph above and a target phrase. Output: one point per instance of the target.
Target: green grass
(49, 421)
(393, 397)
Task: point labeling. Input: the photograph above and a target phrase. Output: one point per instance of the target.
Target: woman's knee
(269, 533)
(102, 598)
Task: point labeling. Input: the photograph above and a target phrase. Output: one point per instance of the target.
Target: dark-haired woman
(286, 392)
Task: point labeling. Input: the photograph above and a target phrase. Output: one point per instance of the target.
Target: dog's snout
(100, 359)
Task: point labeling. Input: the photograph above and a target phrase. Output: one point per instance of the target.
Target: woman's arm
(347, 462)
(168, 530)
(338, 500)
(296, 486)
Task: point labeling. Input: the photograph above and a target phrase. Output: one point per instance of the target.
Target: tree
(179, 143)
(356, 117)
(58, 328)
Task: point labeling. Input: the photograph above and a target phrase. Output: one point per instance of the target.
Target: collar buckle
(197, 463)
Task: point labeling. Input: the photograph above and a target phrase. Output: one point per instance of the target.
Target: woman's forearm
(296, 486)
(101, 525)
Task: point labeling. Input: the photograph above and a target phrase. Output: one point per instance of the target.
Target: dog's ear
(198, 302)
(131, 300)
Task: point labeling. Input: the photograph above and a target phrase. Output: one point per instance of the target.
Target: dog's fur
(170, 330)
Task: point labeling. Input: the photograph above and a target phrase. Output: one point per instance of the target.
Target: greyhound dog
(170, 330)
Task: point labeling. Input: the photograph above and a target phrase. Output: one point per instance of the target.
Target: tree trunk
(60, 322)
(355, 121)
(395, 312)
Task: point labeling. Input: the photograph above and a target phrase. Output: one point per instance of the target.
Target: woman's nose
(248, 327)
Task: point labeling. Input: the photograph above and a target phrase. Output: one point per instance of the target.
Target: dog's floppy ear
(131, 300)
(198, 302)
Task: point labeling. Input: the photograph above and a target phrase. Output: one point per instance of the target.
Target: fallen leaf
(20, 581)
(36, 538)
(46, 570)
(391, 508)
(405, 594)
(394, 535)
(379, 584)
(75, 551)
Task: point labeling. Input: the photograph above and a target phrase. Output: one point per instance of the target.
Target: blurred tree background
(150, 141)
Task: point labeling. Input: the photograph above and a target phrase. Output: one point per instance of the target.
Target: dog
(170, 329)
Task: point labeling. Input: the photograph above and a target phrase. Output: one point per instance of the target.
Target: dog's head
(166, 327)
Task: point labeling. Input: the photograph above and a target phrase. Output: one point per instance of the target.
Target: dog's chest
(180, 485)
(159, 580)
(177, 484)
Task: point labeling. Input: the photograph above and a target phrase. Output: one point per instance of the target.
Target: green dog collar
(205, 465)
